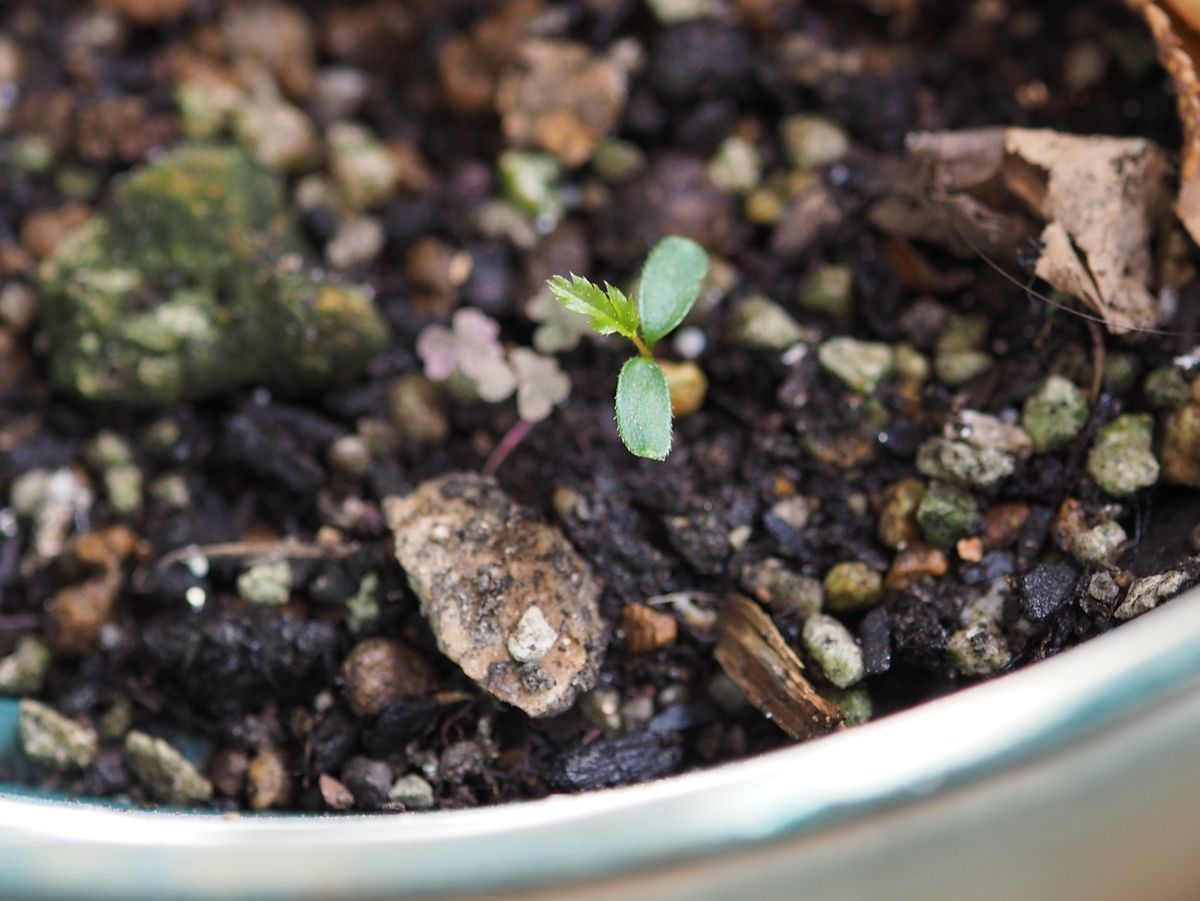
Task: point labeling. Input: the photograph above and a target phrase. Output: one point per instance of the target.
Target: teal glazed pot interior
(1078, 777)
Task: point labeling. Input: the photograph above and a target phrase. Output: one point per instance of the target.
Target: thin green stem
(641, 346)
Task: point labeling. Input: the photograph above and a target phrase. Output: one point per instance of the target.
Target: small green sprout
(670, 284)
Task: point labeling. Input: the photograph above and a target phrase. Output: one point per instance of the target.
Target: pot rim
(979, 732)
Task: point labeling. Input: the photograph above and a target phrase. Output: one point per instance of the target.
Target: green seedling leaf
(644, 409)
(671, 282)
(608, 308)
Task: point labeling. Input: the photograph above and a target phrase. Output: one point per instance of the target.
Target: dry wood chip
(756, 657)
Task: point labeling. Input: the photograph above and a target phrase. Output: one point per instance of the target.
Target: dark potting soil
(260, 696)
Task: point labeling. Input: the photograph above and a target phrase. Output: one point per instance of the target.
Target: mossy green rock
(194, 282)
(945, 513)
(1054, 413)
(1121, 459)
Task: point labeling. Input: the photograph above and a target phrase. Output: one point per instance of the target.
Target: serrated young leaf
(608, 308)
(644, 409)
(671, 280)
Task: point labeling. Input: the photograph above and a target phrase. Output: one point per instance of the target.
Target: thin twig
(298, 550)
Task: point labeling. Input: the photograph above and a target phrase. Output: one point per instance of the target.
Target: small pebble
(378, 671)
(647, 629)
(165, 774)
(736, 167)
(1146, 593)
(1099, 544)
(1103, 587)
(912, 365)
(1121, 459)
(18, 307)
(856, 703)
(418, 409)
(829, 292)
(639, 757)
(813, 141)
(24, 670)
(945, 513)
(963, 463)
(53, 740)
(1166, 388)
(1054, 414)
(268, 782)
(897, 524)
(859, 365)
(227, 772)
(351, 456)
(761, 324)
(773, 583)
(1002, 525)
(834, 650)
(851, 586)
(1046, 588)
(958, 367)
(369, 781)
(412, 792)
(979, 649)
(875, 638)
(334, 793)
(357, 242)
(915, 563)
(123, 487)
(687, 384)
(278, 135)
(984, 431)
(531, 183)
(268, 583)
(602, 706)
(532, 637)
(364, 169)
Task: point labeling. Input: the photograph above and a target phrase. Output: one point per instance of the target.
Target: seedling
(669, 287)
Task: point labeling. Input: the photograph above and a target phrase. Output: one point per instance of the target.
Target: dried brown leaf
(1100, 197)
(950, 194)
(1175, 25)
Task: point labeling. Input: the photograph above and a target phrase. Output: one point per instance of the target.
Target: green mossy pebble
(762, 324)
(1054, 413)
(53, 740)
(852, 585)
(834, 650)
(268, 583)
(1146, 593)
(830, 292)
(773, 583)
(859, 365)
(413, 792)
(963, 463)
(945, 513)
(165, 774)
(957, 367)
(24, 670)
(1099, 544)
(979, 649)
(192, 283)
(855, 703)
(1121, 459)
(1166, 388)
